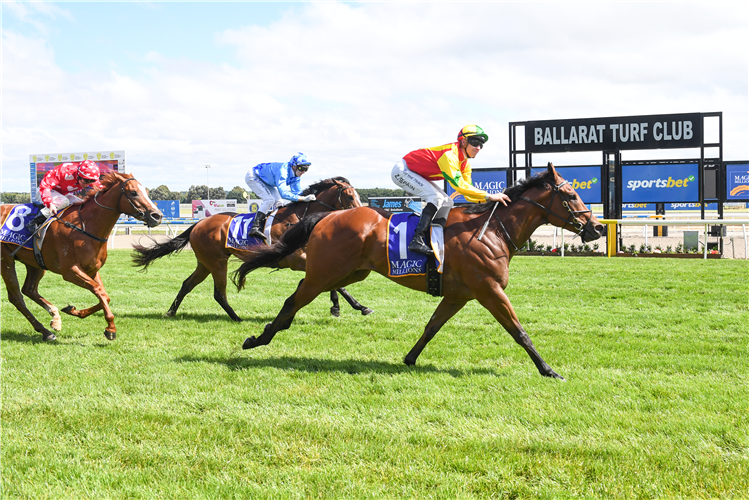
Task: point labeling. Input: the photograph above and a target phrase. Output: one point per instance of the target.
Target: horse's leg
(15, 297)
(445, 310)
(300, 298)
(335, 309)
(76, 276)
(219, 288)
(201, 273)
(354, 303)
(496, 301)
(31, 289)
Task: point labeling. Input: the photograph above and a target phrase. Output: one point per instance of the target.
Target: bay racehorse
(343, 248)
(208, 237)
(75, 246)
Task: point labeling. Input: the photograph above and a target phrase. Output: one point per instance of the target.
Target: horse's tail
(144, 256)
(290, 241)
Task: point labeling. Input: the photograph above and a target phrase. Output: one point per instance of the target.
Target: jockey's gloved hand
(308, 198)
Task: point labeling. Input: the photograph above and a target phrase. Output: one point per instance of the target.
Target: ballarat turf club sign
(628, 132)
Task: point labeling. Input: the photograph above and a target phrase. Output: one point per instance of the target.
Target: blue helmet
(298, 160)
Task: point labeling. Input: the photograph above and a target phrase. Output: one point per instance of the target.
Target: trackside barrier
(613, 223)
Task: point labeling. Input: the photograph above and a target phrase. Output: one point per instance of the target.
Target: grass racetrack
(656, 403)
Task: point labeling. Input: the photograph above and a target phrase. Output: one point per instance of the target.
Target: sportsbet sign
(585, 180)
(671, 183)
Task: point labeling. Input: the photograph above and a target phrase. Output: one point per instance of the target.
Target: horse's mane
(515, 191)
(323, 185)
(107, 181)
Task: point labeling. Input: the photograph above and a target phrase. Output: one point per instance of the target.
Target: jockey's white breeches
(415, 184)
(60, 201)
(269, 195)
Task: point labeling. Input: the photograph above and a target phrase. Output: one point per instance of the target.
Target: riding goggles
(302, 168)
(476, 142)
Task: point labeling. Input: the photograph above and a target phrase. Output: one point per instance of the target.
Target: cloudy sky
(355, 86)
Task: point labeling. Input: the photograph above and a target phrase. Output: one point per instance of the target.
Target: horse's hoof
(56, 324)
(409, 362)
(49, 337)
(170, 313)
(249, 342)
(366, 311)
(68, 309)
(110, 335)
(335, 312)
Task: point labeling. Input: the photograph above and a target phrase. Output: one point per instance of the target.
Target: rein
(571, 219)
(339, 199)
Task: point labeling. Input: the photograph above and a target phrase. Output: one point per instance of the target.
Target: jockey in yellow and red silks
(417, 171)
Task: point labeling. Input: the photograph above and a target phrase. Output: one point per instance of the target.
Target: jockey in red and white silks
(417, 171)
(59, 187)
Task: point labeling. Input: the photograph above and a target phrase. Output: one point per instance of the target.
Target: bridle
(339, 201)
(141, 214)
(571, 218)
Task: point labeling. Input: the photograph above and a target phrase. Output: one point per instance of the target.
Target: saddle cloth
(14, 228)
(402, 261)
(239, 227)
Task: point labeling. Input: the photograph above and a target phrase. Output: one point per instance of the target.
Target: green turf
(656, 404)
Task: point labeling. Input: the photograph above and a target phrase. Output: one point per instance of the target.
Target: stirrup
(254, 232)
(418, 245)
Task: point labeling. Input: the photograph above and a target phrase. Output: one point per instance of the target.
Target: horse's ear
(550, 168)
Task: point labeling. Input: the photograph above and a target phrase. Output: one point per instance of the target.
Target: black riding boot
(419, 242)
(36, 222)
(258, 225)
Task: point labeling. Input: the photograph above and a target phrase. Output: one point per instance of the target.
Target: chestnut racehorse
(75, 247)
(344, 247)
(207, 238)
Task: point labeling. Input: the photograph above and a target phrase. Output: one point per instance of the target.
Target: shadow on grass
(200, 318)
(350, 366)
(36, 338)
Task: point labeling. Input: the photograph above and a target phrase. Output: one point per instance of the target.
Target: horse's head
(336, 193)
(124, 194)
(565, 209)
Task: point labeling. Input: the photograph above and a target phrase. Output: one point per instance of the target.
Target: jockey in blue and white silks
(277, 184)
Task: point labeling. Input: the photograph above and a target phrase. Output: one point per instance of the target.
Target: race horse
(479, 241)
(208, 239)
(75, 247)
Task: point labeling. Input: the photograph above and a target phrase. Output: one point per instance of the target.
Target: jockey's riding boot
(419, 242)
(258, 225)
(37, 221)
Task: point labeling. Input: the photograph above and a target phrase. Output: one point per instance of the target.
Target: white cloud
(358, 86)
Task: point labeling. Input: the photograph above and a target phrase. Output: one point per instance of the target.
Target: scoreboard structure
(40, 164)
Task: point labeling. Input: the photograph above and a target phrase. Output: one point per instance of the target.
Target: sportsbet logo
(660, 183)
(583, 185)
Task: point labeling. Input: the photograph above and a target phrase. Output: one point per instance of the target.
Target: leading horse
(75, 247)
(343, 248)
(208, 238)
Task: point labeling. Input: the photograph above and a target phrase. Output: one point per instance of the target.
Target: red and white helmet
(88, 170)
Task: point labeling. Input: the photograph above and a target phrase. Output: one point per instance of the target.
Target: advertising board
(397, 203)
(586, 180)
(491, 180)
(673, 182)
(170, 208)
(40, 164)
(206, 208)
(737, 181)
